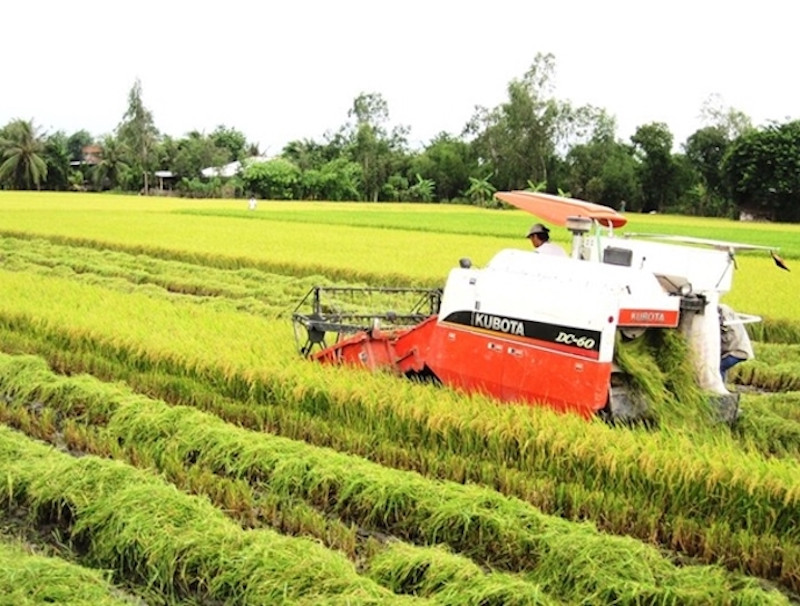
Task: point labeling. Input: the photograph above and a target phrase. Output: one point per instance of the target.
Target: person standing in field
(539, 235)
(252, 205)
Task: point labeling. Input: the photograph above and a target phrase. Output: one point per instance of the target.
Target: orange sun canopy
(556, 209)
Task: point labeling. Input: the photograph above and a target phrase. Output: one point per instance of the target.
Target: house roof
(230, 169)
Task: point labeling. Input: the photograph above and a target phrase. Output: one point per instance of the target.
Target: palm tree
(22, 165)
(112, 168)
(56, 156)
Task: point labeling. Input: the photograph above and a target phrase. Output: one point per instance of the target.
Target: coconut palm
(21, 162)
(113, 167)
(55, 153)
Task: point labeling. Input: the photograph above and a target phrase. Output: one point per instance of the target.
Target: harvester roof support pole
(578, 226)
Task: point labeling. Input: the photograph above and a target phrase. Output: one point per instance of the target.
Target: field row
(243, 289)
(276, 293)
(551, 556)
(379, 245)
(52, 212)
(156, 537)
(725, 504)
(271, 295)
(30, 578)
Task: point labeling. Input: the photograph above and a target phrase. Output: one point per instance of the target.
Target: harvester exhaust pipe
(578, 226)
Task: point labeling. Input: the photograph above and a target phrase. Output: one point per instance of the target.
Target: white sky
(285, 69)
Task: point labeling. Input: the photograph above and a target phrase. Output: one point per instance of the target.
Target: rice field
(162, 441)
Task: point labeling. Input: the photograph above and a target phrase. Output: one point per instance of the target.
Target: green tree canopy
(57, 157)
(448, 162)
(705, 151)
(517, 138)
(112, 171)
(371, 145)
(657, 171)
(762, 169)
(604, 171)
(76, 142)
(308, 154)
(276, 179)
(195, 152)
(339, 180)
(231, 140)
(138, 134)
(520, 139)
(21, 163)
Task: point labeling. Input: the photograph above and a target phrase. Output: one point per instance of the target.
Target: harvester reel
(342, 312)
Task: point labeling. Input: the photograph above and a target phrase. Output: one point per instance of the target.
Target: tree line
(532, 140)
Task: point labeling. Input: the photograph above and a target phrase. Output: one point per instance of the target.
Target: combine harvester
(542, 329)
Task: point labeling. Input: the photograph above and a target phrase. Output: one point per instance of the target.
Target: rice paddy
(163, 442)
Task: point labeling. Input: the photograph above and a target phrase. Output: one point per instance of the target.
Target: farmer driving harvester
(539, 235)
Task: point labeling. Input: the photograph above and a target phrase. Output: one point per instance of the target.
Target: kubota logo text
(514, 327)
(648, 316)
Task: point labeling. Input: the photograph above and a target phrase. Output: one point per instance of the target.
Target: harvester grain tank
(542, 329)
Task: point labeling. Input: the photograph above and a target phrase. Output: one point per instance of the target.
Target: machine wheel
(625, 404)
(315, 336)
(726, 407)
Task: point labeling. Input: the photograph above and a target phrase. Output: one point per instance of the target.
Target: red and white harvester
(542, 329)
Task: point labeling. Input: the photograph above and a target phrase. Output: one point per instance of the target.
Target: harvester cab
(543, 329)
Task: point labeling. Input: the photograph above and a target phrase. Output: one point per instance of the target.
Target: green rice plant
(251, 506)
(785, 405)
(358, 248)
(27, 579)
(761, 375)
(659, 366)
(775, 368)
(771, 424)
(124, 519)
(436, 572)
(151, 335)
(294, 517)
(243, 289)
(471, 519)
(625, 524)
(50, 206)
(775, 330)
(761, 288)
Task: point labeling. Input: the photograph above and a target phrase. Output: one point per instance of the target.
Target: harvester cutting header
(543, 329)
